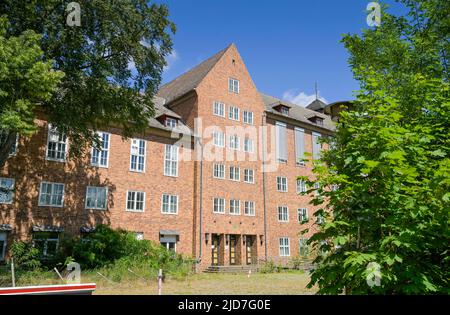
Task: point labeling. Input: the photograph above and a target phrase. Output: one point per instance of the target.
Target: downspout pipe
(201, 202)
(264, 141)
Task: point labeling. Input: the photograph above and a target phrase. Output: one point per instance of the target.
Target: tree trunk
(6, 146)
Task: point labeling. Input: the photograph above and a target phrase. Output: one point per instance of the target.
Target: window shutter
(299, 145)
(316, 145)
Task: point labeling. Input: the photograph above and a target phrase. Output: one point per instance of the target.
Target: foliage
(26, 257)
(390, 160)
(112, 63)
(25, 81)
(268, 267)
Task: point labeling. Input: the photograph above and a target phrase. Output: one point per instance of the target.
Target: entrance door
(233, 244)
(215, 249)
(248, 249)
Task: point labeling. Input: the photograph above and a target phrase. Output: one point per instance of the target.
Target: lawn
(218, 284)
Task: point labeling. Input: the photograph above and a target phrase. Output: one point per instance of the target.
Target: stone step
(232, 269)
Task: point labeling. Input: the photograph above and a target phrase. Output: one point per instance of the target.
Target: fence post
(13, 273)
(160, 275)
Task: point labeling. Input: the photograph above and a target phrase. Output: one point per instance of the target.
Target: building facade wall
(195, 185)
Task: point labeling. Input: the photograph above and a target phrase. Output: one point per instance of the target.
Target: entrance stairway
(232, 269)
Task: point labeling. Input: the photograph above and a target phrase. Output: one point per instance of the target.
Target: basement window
(46, 242)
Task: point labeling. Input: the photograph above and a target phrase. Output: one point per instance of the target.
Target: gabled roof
(316, 105)
(296, 112)
(189, 80)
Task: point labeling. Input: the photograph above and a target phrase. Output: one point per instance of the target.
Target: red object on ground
(76, 289)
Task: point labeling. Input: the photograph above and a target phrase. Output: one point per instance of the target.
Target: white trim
(96, 208)
(281, 184)
(100, 134)
(224, 205)
(49, 128)
(62, 198)
(143, 205)
(223, 109)
(288, 246)
(177, 153)
(145, 156)
(12, 189)
(214, 171)
(253, 175)
(287, 214)
(162, 204)
(254, 208)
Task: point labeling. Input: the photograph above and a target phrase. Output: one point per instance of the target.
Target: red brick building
(213, 177)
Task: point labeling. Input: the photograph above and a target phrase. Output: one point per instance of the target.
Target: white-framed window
(3, 242)
(7, 190)
(169, 204)
(100, 156)
(219, 139)
(234, 143)
(285, 248)
(3, 138)
(135, 201)
(51, 194)
(233, 85)
(299, 146)
(139, 235)
(46, 242)
(233, 113)
(302, 214)
(235, 173)
(56, 145)
(248, 145)
(169, 242)
(334, 187)
(96, 198)
(249, 208)
(283, 214)
(282, 184)
(171, 160)
(137, 159)
(219, 205)
(281, 141)
(219, 171)
(219, 109)
(316, 145)
(235, 207)
(248, 117)
(303, 247)
(249, 176)
(171, 122)
(301, 186)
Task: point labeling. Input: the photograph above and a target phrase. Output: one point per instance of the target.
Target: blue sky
(287, 45)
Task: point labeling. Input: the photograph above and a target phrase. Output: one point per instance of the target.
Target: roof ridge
(216, 55)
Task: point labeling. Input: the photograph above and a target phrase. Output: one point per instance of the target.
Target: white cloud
(171, 59)
(301, 98)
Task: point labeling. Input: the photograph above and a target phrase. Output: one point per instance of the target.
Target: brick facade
(196, 226)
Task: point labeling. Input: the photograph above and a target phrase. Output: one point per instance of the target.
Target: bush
(268, 267)
(26, 257)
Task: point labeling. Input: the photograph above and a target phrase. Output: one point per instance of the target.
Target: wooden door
(248, 249)
(233, 244)
(215, 249)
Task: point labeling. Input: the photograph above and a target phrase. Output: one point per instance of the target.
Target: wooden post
(59, 275)
(13, 274)
(160, 275)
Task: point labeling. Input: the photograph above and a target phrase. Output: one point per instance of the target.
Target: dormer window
(317, 120)
(171, 122)
(282, 109)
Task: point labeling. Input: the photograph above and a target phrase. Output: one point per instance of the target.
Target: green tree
(390, 162)
(25, 82)
(112, 62)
